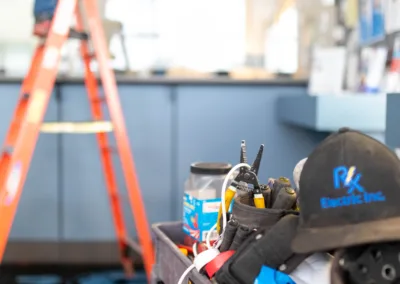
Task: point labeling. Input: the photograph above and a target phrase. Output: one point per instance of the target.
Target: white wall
(198, 34)
(16, 41)
(204, 35)
(16, 20)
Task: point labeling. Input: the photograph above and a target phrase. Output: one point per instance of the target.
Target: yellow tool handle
(229, 195)
(184, 251)
(259, 200)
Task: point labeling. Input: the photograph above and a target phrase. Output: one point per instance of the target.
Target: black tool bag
(246, 218)
(244, 212)
(270, 246)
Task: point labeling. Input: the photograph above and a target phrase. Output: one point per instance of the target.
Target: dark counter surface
(176, 81)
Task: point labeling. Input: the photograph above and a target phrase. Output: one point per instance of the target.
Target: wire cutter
(248, 176)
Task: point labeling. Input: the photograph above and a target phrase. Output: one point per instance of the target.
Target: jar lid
(201, 168)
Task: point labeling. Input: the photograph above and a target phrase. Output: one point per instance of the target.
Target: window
(204, 35)
(16, 41)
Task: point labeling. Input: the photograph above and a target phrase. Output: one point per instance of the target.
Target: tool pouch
(241, 235)
(244, 212)
(269, 247)
(229, 235)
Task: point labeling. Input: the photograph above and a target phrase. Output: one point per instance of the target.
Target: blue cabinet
(392, 134)
(37, 215)
(86, 211)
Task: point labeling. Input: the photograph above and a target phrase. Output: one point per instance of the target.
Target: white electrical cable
(200, 261)
(194, 248)
(204, 258)
(208, 237)
(223, 190)
(180, 281)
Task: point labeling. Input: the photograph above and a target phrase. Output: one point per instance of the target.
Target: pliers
(248, 176)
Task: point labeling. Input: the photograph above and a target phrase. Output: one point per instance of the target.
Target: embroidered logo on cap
(356, 194)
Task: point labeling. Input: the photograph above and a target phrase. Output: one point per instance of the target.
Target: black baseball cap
(349, 194)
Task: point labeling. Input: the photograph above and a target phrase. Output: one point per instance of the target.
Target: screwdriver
(266, 192)
(285, 199)
(258, 198)
(278, 184)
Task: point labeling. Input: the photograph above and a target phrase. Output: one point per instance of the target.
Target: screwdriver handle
(285, 199)
(229, 195)
(259, 200)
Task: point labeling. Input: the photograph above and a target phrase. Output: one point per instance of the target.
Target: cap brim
(309, 240)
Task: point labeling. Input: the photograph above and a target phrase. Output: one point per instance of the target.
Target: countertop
(176, 81)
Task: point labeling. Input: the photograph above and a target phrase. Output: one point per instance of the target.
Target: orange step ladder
(27, 122)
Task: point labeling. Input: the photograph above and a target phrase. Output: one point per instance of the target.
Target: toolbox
(170, 262)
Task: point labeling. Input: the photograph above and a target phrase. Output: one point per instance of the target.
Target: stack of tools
(263, 219)
(277, 194)
(279, 199)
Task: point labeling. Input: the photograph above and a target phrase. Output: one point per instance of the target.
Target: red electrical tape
(213, 266)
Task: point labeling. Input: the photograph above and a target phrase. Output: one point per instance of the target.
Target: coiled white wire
(184, 274)
(224, 209)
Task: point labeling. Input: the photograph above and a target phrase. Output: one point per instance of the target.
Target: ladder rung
(77, 127)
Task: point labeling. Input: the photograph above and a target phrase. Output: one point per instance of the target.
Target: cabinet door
(86, 209)
(37, 215)
(212, 120)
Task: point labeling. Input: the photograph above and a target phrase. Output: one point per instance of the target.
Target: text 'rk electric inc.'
(356, 194)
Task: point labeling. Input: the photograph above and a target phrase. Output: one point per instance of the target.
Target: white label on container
(211, 207)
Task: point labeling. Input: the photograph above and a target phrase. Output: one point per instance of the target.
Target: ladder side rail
(122, 141)
(19, 113)
(29, 132)
(95, 102)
